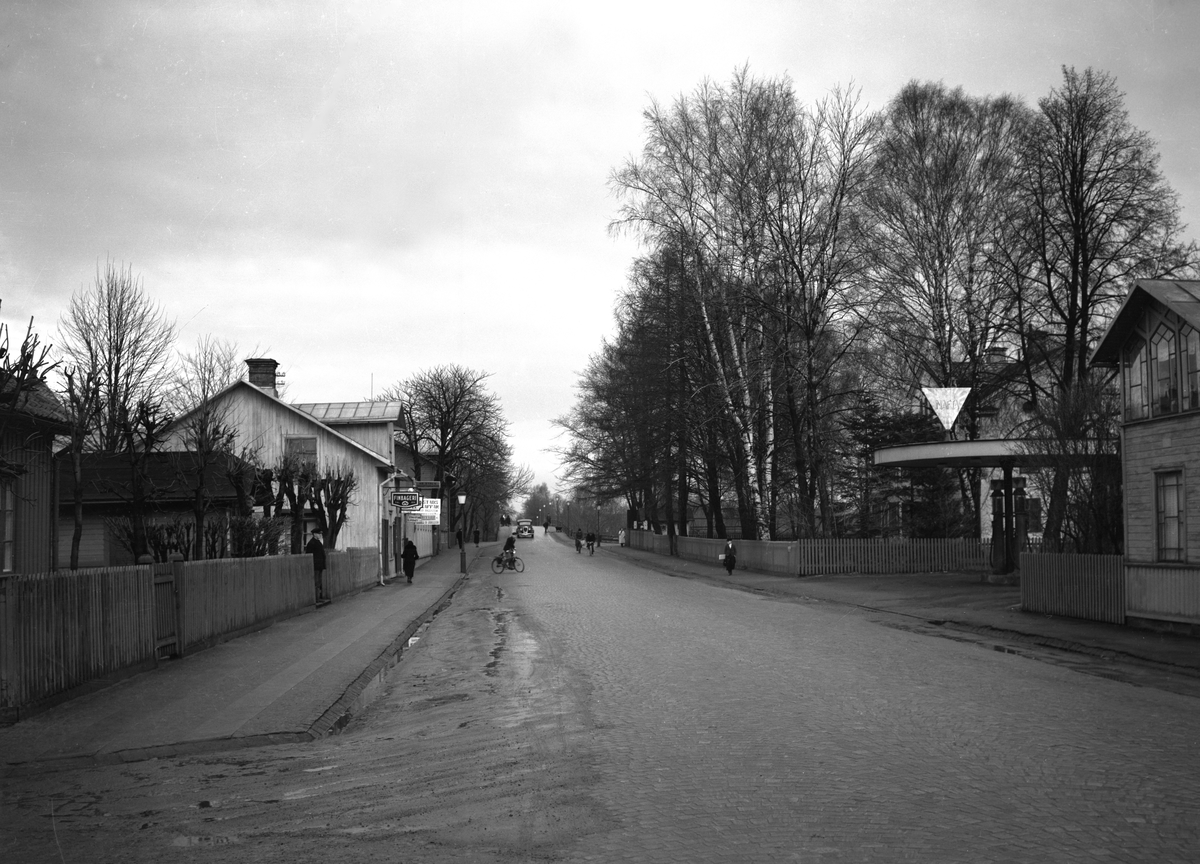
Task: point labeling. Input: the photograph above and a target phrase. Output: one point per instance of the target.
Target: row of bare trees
(457, 432)
(809, 266)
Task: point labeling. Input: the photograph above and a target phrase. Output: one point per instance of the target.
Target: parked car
(524, 528)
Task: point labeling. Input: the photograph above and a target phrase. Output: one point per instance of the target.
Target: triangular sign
(946, 402)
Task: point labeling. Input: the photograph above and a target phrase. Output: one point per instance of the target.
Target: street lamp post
(462, 547)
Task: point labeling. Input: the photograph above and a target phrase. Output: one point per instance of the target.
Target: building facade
(1154, 342)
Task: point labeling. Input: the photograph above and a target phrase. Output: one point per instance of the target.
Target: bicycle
(499, 564)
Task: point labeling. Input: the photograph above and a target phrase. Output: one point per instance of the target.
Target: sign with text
(946, 402)
(406, 499)
(430, 512)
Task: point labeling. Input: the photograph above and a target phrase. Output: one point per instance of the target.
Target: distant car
(524, 528)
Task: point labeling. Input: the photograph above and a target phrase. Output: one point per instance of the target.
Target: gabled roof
(40, 403)
(1180, 296)
(338, 413)
(349, 442)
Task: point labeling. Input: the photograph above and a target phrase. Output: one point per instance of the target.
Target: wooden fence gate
(167, 639)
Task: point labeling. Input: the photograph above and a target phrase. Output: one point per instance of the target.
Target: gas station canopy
(988, 453)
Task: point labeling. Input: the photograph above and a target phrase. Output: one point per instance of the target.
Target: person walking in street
(578, 541)
(409, 556)
(730, 556)
(476, 536)
(316, 548)
(591, 543)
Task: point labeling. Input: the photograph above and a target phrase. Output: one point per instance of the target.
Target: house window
(1191, 367)
(1168, 495)
(8, 525)
(305, 449)
(1136, 389)
(1164, 372)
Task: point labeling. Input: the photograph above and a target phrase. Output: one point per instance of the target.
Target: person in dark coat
(730, 556)
(316, 548)
(409, 556)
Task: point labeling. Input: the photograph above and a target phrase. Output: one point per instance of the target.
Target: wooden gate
(167, 639)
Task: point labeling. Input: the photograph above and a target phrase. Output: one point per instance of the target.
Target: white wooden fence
(816, 557)
(62, 631)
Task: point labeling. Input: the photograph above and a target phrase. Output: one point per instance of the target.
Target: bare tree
(128, 337)
(1097, 212)
(453, 421)
(208, 434)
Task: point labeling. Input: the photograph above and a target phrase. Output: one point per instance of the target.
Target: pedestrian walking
(409, 556)
(578, 541)
(458, 538)
(621, 537)
(316, 547)
(591, 543)
(476, 536)
(730, 556)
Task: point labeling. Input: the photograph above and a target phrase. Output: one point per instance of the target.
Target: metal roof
(1179, 295)
(333, 413)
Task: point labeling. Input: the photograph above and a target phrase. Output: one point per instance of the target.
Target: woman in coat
(409, 557)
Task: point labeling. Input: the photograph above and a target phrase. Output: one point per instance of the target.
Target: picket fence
(817, 557)
(62, 632)
(1078, 586)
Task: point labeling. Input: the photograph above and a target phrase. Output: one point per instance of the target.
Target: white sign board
(946, 402)
(430, 512)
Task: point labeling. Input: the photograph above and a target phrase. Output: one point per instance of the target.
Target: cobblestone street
(592, 710)
(729, 727)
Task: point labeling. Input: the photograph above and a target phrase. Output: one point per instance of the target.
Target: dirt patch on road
(476, 752)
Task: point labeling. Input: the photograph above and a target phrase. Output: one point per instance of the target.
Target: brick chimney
(262, 374)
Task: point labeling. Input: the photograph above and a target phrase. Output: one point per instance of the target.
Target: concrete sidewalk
(295, 680)
(953, 599)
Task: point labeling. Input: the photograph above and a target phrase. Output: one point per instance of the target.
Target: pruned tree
(293, 478)
(21, 373)
(332, 489)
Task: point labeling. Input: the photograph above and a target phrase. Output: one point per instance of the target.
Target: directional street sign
(406, 499)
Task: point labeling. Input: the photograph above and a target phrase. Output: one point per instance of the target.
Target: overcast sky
(367, 189)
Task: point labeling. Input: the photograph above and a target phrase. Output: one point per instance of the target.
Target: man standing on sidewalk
(316, 548)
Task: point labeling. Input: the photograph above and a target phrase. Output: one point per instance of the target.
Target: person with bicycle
(510, 550)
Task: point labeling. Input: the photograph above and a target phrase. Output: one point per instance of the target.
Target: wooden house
(357, 436)
(28, 423)
(1154, 341)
